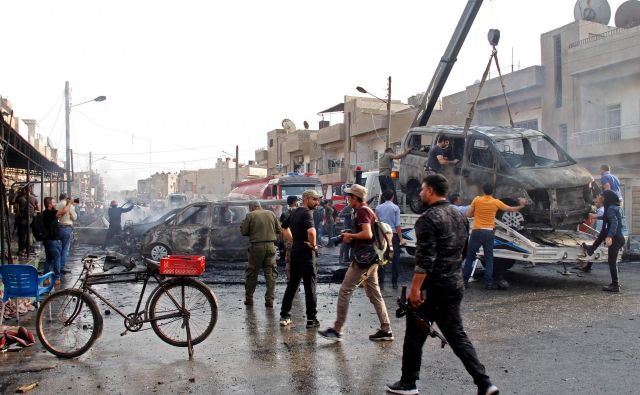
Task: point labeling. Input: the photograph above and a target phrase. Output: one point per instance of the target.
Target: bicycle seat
(151, 264)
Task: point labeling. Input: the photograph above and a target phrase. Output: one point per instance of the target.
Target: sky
(189, 80)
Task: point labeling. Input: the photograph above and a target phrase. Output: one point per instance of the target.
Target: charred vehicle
(211, 229)
(133, 233)
(517, 162)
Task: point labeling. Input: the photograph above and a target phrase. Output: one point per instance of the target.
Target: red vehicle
(276, 187)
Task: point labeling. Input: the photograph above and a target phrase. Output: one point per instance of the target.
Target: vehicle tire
(158, 251)
(413, 198)
(503, 264)
(410, 250)
(68, 339)
(514, 220)
(194, 298)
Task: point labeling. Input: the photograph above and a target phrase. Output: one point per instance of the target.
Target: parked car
(211, 229)
(518, 162)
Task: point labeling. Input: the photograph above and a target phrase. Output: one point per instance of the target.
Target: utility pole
(388, 140)
(67, 112)
(237, 164)
(90, 174)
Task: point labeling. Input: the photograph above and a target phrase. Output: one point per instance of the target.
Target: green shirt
(384, 165)
(260, 225)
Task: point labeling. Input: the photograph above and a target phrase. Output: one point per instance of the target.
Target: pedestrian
(456, 201)
(437, 157)
(66, 229)
(300, 232)
(483, 210)
(115, 220)
(26, 205)
(330, 218)
(610, 182)
(385, 164)
(347, 223)
(360, 237)
(389, 213)
(612, 233)
(292, 204)
(263, 229)
(52, 243)
(441, 233)
(318, 221)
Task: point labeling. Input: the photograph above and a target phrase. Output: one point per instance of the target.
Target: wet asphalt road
(548, 334)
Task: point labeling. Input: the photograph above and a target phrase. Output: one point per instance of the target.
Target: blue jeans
(319, 232)
(53, 252)
(480, 238)
(67, 235)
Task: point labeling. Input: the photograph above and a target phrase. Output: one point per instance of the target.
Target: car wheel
(514, 220)
(413, 197)
(158, 251)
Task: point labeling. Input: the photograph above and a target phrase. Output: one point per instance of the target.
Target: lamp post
(67, 112)
(388, 102)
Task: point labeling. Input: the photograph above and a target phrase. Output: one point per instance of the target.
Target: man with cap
(299, 230)
(115, 220)
(263, 229)
(362, 236)
(292, 204)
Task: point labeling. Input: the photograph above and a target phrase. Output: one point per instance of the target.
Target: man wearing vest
(385, 164)
(483, 210)
(262, 227)
(360, 237)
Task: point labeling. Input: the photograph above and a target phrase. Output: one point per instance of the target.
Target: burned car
(211, 229)
(133, 233)
(518, 162)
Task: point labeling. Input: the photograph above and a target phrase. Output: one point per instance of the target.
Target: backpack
(39, 230)
(382, 240)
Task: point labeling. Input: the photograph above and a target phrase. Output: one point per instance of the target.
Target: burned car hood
(553, 177)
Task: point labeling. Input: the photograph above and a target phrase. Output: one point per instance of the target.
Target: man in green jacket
(262, 227)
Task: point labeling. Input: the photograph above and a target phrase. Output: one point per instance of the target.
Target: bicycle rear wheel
(196, 306)
(68, 323)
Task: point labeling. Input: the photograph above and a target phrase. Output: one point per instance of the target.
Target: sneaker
(381, 335)
(400, 388)
(490, 390)
(611, 288)
(284, 321)
(331, 334)
(314, 323)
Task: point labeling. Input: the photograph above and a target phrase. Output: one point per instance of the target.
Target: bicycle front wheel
(68, 323)
(180, 304)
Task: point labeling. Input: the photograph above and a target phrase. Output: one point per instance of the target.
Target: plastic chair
(22, 281)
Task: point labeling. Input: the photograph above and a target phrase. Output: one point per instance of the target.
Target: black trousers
(443, 307)
(112, 232)
(386, 182)
(612, 258)
(303, 267)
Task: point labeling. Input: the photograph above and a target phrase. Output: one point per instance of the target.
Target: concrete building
(163, 184)
(262, 158)
(187, 182)
(585, 95)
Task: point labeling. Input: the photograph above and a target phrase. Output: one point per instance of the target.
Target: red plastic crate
(182, 265)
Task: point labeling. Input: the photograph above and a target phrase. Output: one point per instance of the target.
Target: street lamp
(388, 102)
(67, 106)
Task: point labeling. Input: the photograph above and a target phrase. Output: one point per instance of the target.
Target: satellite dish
(593, 11)
(306, 125)
(288, 126)
(628, 14)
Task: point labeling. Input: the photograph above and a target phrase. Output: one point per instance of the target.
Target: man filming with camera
(441, 233)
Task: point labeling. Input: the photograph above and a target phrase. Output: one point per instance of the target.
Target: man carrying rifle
(442, 233)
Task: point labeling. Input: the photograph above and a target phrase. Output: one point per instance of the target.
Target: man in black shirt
(52, 243)
(299, 230)
(441, 233)
(438, 156)
(115, 220)
(285, 246)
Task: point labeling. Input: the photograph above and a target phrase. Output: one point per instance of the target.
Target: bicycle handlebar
(151, 264)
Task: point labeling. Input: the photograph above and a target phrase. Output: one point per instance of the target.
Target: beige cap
(310, 193)
(357, 190)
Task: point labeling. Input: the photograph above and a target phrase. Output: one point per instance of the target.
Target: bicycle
(182, 311)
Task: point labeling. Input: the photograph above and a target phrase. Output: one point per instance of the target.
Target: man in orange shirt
(483, 209)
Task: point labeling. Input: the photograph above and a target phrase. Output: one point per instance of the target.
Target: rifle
(423, 323)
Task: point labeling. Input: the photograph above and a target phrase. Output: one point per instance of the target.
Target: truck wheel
(503, 263)
(413, 197)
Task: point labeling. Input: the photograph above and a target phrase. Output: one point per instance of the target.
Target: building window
(614, 118)
(270, 143)
(557, 69)
(564, 136)
(528, 124)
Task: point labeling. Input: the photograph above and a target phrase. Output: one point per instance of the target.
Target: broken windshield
(536, 151)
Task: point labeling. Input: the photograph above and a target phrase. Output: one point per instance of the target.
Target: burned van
(517, 162)
(211, 229)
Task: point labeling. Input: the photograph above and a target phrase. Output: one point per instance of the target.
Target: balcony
(607, 141)
(331, 134)
(261, 155)
(298, 141)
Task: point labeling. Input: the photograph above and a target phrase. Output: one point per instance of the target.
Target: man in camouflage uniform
(262, 227)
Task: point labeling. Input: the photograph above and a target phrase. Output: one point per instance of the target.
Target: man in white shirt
(66, 230)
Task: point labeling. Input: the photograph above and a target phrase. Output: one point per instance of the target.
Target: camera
(76, 200)
(338, 239)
